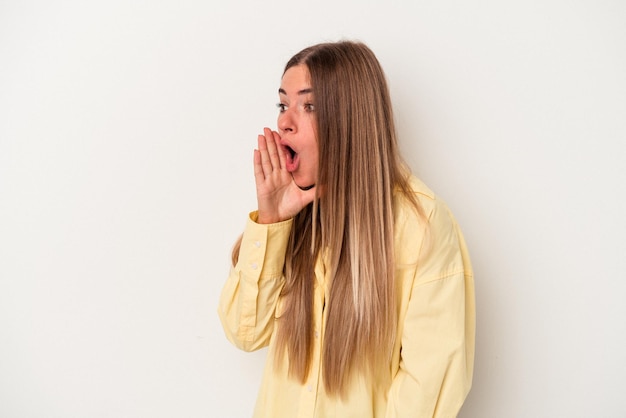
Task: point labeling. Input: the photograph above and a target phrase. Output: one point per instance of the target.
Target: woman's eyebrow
(300, 92)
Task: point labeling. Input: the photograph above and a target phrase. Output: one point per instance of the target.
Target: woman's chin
(304, 183)
(306, 187)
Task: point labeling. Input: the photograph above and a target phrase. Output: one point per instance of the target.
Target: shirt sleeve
(437, 352)
(249, 297)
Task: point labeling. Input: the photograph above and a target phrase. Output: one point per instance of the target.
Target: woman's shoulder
(418, 207)
(420, 188)
(415, 193)
(432, 222)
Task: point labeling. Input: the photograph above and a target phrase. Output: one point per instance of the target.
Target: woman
(352, 271)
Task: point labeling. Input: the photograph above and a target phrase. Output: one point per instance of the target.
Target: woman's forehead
(296, 81)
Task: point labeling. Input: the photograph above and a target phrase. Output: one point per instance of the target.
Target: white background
(126, 138)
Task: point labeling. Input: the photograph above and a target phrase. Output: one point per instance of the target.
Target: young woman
(352, 271)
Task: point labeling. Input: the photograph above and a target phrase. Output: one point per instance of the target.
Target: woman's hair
(350, 224)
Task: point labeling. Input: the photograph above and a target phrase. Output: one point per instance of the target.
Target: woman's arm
(248, 300)
(249, 297)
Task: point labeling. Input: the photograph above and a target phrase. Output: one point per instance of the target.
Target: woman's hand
(278, 196)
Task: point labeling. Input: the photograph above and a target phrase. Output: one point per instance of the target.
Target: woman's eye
(281, 107)
(309, 107)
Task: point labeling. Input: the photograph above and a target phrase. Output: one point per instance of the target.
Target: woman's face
(297, 126)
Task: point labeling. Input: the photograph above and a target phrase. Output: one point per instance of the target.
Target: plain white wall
(126, 137)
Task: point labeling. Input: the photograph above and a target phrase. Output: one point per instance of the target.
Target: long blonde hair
(352, 220)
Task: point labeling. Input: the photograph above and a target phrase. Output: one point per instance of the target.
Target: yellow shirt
(434, 350)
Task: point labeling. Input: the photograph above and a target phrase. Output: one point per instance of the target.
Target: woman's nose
(286, 122)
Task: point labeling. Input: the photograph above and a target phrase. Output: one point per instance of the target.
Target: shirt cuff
(263, 248)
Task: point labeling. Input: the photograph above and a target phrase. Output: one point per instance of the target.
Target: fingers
(259, 176)
(265, 162)
(271, 157)
(280, 150)
(272, 148)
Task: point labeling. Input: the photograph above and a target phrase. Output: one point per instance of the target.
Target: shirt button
(257, 244)
(309, 388)
(254, 266)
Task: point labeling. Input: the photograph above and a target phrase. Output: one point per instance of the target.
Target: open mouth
(292, 159)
